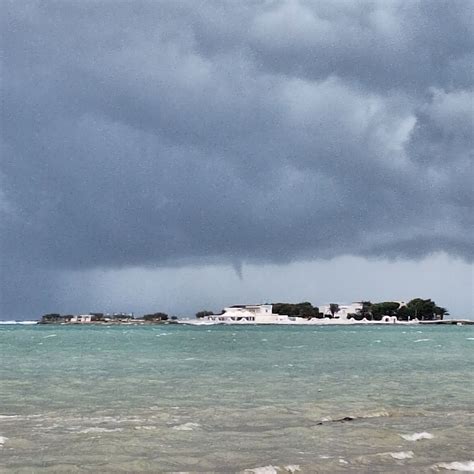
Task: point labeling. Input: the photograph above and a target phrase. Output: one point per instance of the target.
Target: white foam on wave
(3, 440)
(186, 427)
(465, 466)
(422, 340)
(402, 455)
(417, 436)
(291, 468)
(50, 335)
(375, 414)
(97, 429)
(470, 338)
(18, 322)
(264, 470)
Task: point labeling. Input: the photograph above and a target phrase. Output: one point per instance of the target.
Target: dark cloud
(165, 133)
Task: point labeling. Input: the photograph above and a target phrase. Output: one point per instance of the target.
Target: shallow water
(231, 398)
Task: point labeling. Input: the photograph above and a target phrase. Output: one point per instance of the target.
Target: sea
(250, 399)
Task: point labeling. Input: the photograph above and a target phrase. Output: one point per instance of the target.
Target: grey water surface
(229, 398)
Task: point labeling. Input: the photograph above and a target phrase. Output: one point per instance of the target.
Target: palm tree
(334, 308)
(441, 312)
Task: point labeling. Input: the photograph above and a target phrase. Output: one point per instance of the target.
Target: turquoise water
(231, 398)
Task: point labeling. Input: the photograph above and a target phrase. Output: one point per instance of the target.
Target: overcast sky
(181, 155)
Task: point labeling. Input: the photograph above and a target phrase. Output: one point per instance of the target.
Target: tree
(97, 316)
(333, 308)
(366, 311)
(421, 309)
(425, 310)
(156, 317)
(304, 310)
(299, 310)
(202, 314)
(386, 308)
(403, 313)
(283, 308)
(357, 316)
(441, 312)
(51, 317)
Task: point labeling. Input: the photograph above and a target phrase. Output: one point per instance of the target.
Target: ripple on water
(279, 404)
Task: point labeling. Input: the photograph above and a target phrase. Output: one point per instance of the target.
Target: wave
(417, 436)
(422, 340)
(375, 414)
(186, 427)
(263, 470)
(402, 455)
(465, 466)
(97, 429)
(291, 468)
(3, 440)
(18, 322)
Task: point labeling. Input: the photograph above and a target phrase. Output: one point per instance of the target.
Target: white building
(247, 313)
(263, 314)
(82, 318)
(343, 310)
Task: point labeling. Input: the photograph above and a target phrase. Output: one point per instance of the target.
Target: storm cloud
(137, 134)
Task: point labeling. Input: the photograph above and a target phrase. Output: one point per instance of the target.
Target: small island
(107, 318)
(415, 311)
